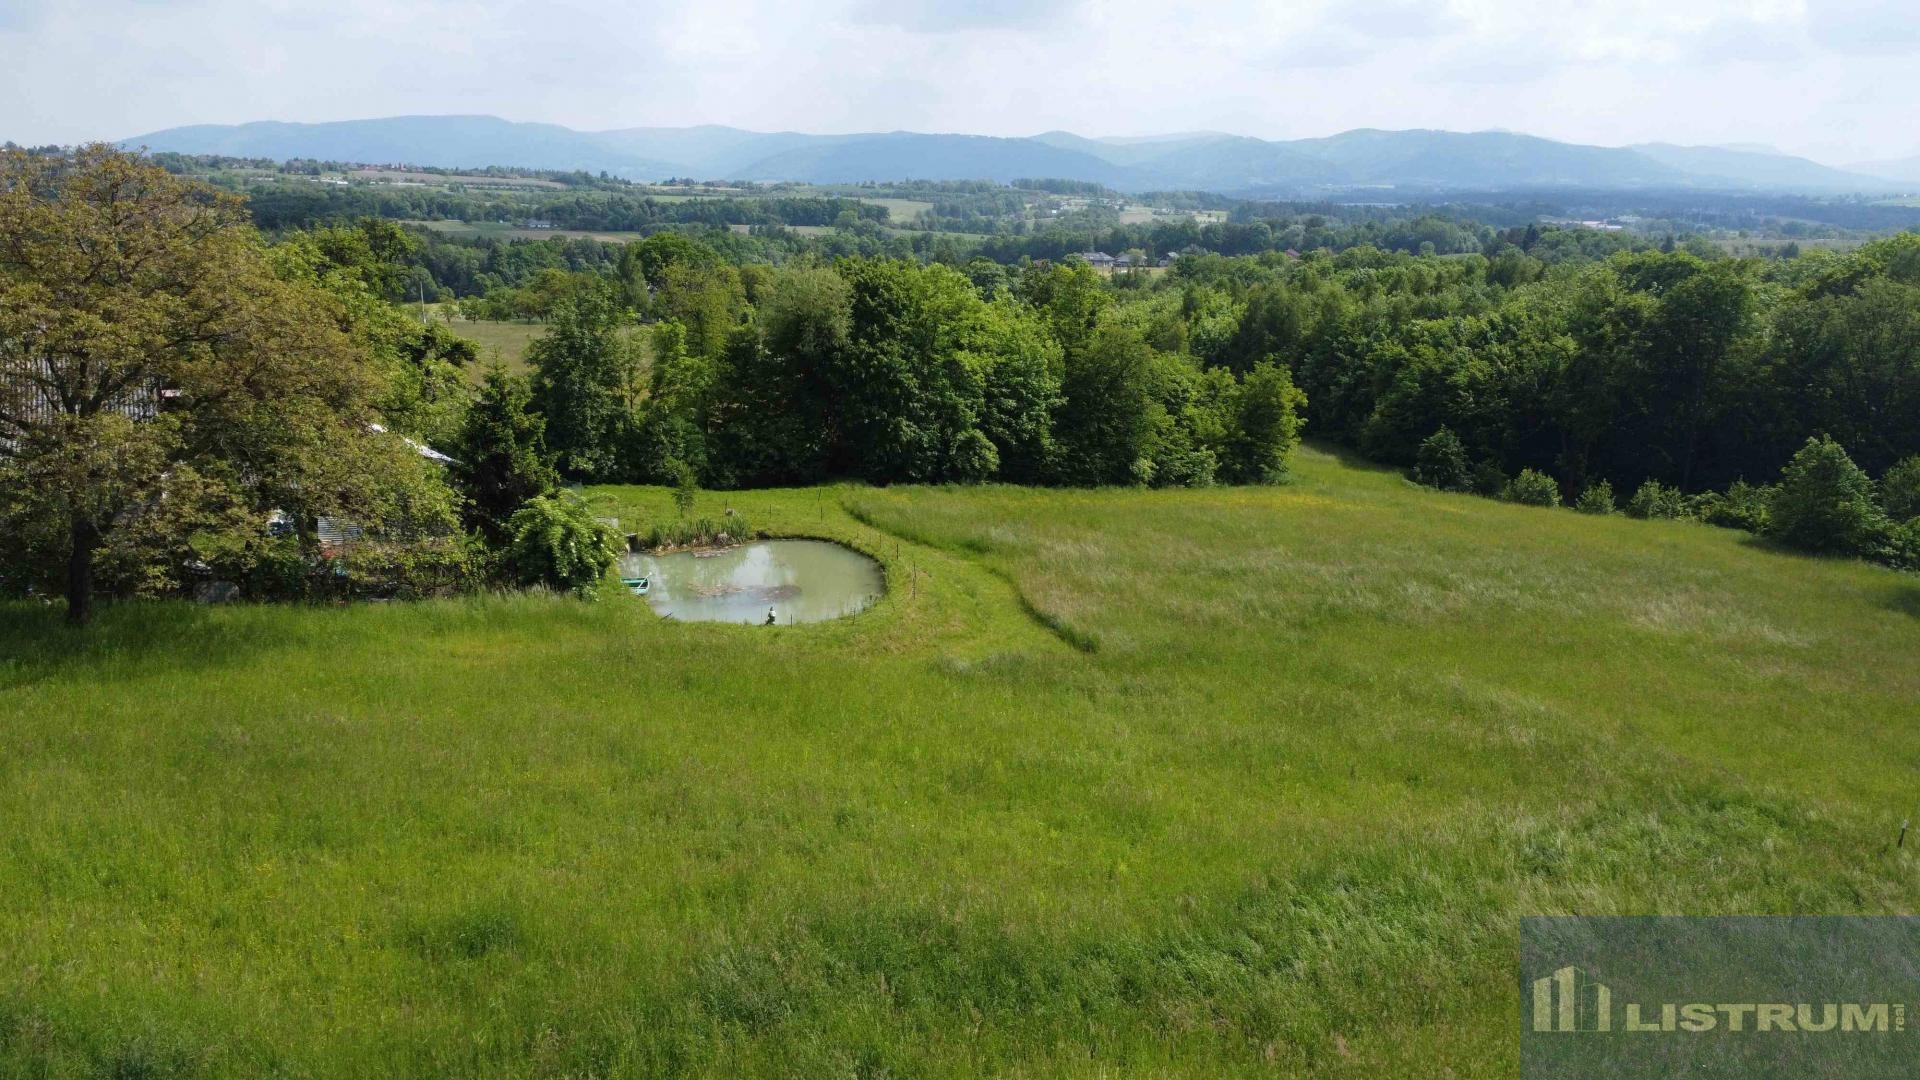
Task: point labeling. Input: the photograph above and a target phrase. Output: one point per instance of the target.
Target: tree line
(281, 206)
(890, 371)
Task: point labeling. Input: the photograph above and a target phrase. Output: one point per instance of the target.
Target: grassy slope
(506, 342)
(1329, 741)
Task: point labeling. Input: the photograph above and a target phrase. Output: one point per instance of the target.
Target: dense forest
(1644, 366)
(288, 207)
(450, 267)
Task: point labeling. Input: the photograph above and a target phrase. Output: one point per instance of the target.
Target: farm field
(501, 230)
(508, 342)
(1227, 781)
(442, 180)
(901, 211)
(1147, 215)
(504, 341)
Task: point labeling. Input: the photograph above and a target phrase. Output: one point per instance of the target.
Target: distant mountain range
(1902, 170)
(1409, 161)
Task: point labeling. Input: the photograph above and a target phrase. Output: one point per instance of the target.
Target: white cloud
(936, 16)
(1832, 78)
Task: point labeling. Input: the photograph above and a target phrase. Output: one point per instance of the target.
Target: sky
(1836, 80)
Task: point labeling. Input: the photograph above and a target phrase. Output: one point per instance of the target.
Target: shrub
(1900, 490)
(973, 459)
(697, 531)
(554, 540)
(1744, 506)
(1597, 499)
(1656, 500)
(1178, 463)
(686, 486)
(1267, 414)
(1902, 547)
(1533, 488)
(1824, 503)
(1487, 479)
(1442, 462)
(404, 571)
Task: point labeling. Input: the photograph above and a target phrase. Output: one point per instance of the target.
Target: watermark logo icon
(1570, 1000)
(1656, 997)
(1567, 1000)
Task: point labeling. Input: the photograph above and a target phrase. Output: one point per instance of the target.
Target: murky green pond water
(800, 580)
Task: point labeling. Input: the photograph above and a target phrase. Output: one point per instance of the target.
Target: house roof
(420, 448)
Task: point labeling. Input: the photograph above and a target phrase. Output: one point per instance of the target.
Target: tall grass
(1322, 747)
(695, 532)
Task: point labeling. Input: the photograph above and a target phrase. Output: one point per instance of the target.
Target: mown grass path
(1112, 783)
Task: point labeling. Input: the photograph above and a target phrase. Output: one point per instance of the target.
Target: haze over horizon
(1827, 79)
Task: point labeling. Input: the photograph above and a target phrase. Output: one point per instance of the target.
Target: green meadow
(901, 211)
(1229, 781)
(506, 342)
(499, 230)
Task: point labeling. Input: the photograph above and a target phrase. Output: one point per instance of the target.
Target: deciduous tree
(145, 342)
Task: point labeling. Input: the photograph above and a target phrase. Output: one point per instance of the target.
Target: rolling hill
(441, 141)
(904, 155)
(1751, 167)
(1904, 170)
(1482, 160)
(1024, 817)
(1417, 161)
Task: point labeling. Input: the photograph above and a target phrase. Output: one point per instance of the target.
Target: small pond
(801, 580)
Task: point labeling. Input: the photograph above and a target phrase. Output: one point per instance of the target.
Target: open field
(504, 231)
(508, 342)
(1135, 214)
(902, 211)
(503, 341)
(896, 230)
(803, 230)
(428, 179)
(1113, 783)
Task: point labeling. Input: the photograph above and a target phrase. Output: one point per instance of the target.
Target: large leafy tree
(1070, 297)
(584, 380)
(759, 436)
(1274, 324)
(908, 396)
(1900, 490)
(1266, 427)
(1022, 370)
(1824, 502)
(1844, 356)
(501, 459)
(644, 263)
(773, 412)
(669, 434)
(1106, 417)
(154, 368)
(707, 300)
(423, 364)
